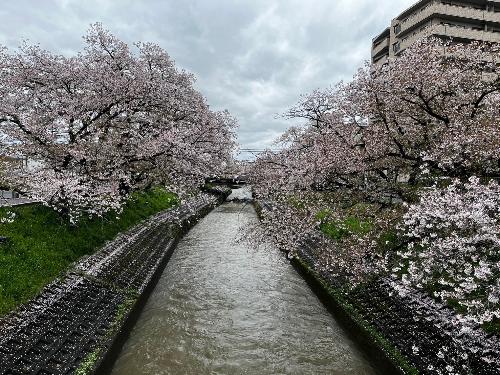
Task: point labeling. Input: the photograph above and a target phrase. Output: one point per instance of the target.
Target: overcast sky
(252, 57)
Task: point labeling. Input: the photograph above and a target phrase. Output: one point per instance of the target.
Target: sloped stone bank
(78, 322)
(425, 334)
(403, 334)
(413, 331)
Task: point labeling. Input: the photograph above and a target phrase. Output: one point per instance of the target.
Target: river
(221, 307)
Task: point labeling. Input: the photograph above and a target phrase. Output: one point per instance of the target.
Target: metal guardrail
(16, 202)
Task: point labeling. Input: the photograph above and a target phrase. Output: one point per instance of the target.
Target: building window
(397, 29)
(396, 47)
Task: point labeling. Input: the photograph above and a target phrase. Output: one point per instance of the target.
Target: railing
(453, 32)
(381, 59)
(379, 47)
(450, 10)
(466, 33)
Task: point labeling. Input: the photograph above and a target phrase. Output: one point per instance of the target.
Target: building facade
(460, 20)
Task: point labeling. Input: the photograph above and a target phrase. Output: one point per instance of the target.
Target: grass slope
(41, 245)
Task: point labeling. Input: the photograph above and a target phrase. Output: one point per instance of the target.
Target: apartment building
(460, 20)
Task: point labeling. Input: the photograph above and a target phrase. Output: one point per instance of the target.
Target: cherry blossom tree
(440, 117)
(106, 122)
(428, 117)
(433, 109)
(325, 151)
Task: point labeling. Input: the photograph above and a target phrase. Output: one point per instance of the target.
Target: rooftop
(421, 3)
(384, 34)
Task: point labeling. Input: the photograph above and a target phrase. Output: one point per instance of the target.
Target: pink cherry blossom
(106, 122)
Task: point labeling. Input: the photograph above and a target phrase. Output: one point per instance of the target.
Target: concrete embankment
(403, 334)
(78, 323)
(413, 333)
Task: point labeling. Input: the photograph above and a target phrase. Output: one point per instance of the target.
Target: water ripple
(222, 308)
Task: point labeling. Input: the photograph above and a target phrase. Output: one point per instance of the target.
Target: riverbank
(77, 322)
(406, 334)
(39, 245)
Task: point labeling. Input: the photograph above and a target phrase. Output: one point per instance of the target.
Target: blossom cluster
(8, 217)
(393, 124)
(454, 247)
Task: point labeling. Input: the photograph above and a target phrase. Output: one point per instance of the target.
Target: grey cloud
(253, 58)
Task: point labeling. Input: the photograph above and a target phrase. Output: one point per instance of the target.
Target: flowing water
(224, 308)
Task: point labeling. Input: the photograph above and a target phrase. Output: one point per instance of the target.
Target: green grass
(41, 245)
(88, 363)
(340, 229)
(296, 203)
(492, 327)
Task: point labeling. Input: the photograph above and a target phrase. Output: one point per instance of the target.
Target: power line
(256, 150)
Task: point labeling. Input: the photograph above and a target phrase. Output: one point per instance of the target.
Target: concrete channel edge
(79, 322)
(381, 352)
(402, 334)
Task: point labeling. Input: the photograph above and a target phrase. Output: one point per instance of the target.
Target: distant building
(460, 20)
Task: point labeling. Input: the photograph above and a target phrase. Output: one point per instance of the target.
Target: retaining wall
(403, 334)
(78, 323)
(426, 334)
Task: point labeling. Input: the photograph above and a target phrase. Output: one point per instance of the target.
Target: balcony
(453, 32)
(447, 10)
(466, 33)
(382, 59)
(381, 48)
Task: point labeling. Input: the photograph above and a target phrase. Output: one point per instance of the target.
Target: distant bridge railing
(232, 180)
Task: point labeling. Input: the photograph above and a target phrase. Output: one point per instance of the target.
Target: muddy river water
(222, 307)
